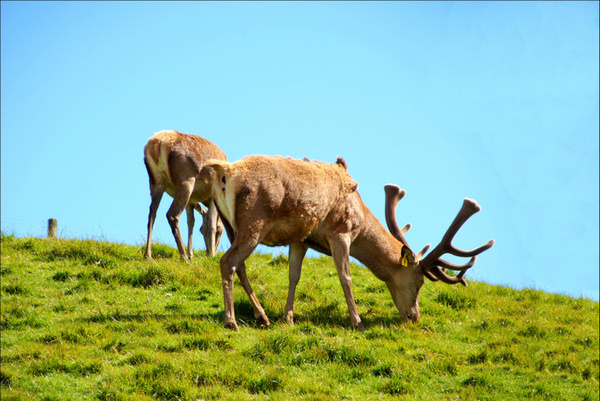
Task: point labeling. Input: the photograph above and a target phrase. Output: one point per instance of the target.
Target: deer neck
(376, 248)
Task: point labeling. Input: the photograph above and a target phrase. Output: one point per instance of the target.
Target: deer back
(173, 157)
(284, 198)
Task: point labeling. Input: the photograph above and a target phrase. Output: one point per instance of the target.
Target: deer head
(406, 281)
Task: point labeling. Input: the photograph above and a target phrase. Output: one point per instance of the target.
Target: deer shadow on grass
(330, 316)
(325, 315)
(243, 307)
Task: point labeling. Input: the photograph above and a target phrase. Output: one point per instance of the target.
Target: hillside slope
(84, 319)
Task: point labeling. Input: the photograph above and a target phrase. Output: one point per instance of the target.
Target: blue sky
(496, 101)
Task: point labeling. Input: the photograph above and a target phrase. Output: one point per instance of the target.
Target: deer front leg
(218, 233)
(340, 249)
(296, 255)
(232, 261)
(211, 229)
(156, 193)
(190, 223)
(227, 274)
(180, 201)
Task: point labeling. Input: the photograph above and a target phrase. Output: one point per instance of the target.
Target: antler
(393, 194)
(431, 263)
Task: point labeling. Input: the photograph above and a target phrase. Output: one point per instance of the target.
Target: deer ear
(407, 258)
(220, 166)
(340, 160)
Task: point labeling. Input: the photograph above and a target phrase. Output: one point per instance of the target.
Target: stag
(175, 164)
(306, 204)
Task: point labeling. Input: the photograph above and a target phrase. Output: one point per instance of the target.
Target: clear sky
(495, 101)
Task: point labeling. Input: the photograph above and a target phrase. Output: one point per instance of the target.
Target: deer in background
(175, 164)
(305, 204)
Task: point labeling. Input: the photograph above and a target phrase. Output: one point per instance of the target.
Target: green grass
(87, 320)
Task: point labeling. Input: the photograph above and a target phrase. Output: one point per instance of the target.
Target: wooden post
(52, 228)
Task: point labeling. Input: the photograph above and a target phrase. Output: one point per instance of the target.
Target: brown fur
(291, 196)
(282, 201)
(175, 164)
(305, 204)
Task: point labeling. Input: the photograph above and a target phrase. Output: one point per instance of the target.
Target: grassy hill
(84, 319)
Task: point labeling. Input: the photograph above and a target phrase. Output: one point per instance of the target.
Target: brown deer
(305, 204)
(175, 164)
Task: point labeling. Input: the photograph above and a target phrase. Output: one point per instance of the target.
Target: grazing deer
(175, 164)
(305, 204)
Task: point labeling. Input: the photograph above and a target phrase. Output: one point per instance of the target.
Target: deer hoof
(263, 320)
(232, 326)
(359, 327)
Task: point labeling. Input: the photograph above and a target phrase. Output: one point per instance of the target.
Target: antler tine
(452, 266)
(405, 228)
(432, 261)
(459, 252)
(393, 194)
(430, 276)
(423, 251)
(436, 274)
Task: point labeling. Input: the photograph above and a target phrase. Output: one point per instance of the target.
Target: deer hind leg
(297, 252)
(156, 194)
(340, 249)
(189, 209)
(259, 312)
(180, 201)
